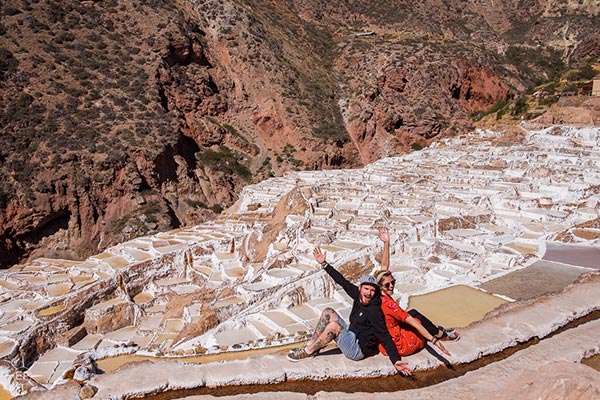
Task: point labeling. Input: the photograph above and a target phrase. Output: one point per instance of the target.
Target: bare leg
(328, 328)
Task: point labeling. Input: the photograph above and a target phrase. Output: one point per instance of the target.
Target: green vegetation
(224, 160)
(331, 131)
(416, 146)
(520, 106)
(499, 108)
(287, 155)
(584, 73)
(537, 64)
(217, 208)
(195, 203)
(137, 221)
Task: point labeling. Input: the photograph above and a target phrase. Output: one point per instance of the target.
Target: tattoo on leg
(331, 336)
(323, 321)
(318, 344)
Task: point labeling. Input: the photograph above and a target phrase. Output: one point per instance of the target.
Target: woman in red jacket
(409, 330)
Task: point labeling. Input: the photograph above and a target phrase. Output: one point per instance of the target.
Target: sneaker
(295, 349)
(299, 354)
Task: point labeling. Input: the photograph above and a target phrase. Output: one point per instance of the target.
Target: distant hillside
(121, 118)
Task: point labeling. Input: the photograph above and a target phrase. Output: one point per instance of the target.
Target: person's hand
(384, 234)
(319, 255)
(403, 368)
(442, 348)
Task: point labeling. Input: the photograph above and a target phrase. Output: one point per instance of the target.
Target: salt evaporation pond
(455, 306)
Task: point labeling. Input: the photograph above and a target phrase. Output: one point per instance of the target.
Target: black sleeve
(349, 288)
(383, 335)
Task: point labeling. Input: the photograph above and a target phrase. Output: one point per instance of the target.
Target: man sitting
(367, 324)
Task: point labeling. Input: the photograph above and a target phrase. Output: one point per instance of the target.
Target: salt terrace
(484, 238)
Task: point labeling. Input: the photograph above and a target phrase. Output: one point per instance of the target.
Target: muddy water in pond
(112, 363)
(4, 395)
(593, 362)
(51, 310)
(455, 306)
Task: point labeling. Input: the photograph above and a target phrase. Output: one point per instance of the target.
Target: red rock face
(384, 121)
(476, 87)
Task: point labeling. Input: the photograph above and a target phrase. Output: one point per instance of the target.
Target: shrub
(520, 106)
(8, 63)
(223, 160)
(195, 203)
(217, 209)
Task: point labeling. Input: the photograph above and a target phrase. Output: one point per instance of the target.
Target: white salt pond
(221, 287)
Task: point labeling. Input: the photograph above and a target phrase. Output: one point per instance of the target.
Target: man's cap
(369, 280)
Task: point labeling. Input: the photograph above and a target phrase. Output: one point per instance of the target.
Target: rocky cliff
(122, 118)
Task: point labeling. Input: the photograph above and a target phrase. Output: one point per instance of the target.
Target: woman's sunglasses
(390, 284)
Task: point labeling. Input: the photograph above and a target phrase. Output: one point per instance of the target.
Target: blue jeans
(348, 343)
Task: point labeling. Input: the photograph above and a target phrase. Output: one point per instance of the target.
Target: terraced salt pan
(456, 306)
(51, 310)
(421, 184)
(14, 328)
(124, 334)
(143, 297)
(6, 347)
(52, 365)
(235, 336)
(88, 342)
(227, 301)
(581, 255)
(482, 338)
(540, 278)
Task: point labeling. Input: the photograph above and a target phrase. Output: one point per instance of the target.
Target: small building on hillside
(596, 86)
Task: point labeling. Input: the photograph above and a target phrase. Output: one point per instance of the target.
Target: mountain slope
(123, 118)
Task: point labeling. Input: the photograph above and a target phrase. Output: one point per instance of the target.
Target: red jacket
(407, 340)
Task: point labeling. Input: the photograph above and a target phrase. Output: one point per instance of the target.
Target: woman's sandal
(449, 334)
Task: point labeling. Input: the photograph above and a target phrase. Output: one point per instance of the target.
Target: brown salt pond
(593, 362)
(4, 394)
(456, 306)
(51, 310)
(112, 363)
